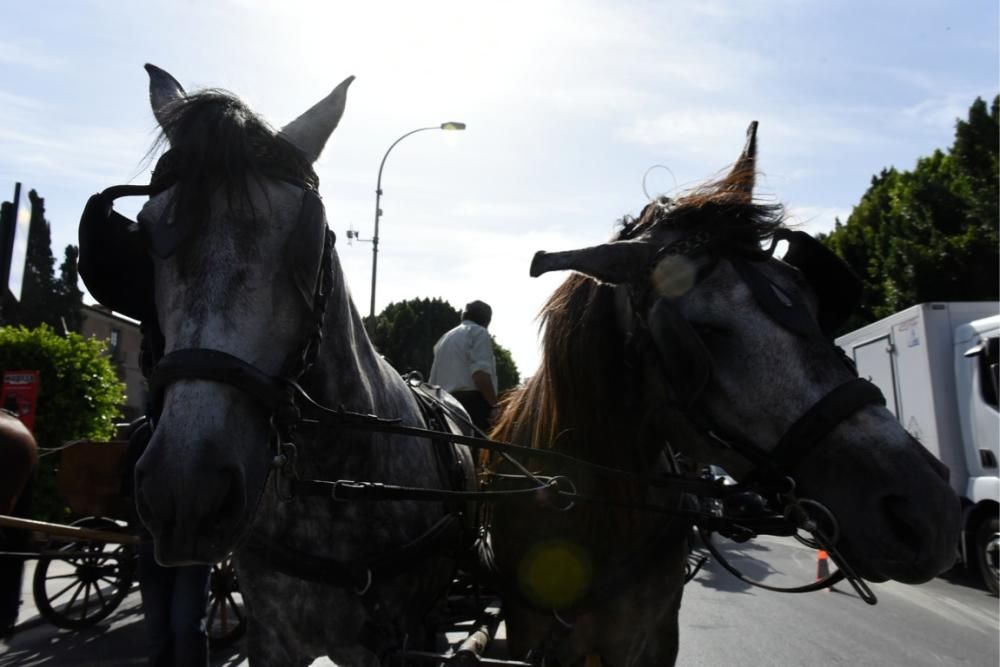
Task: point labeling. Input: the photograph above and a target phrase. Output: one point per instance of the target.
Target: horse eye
(707, 331)
(782, 296)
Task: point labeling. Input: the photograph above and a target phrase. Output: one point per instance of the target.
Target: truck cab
(936, 364)
(977, 348)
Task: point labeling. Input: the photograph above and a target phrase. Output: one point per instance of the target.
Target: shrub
(80, 397)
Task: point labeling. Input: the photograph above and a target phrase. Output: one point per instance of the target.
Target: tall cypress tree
(38, 294)
(69, 294)
(45, 299)
(8, 307)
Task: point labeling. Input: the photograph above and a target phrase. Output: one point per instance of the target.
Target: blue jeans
(175, 604)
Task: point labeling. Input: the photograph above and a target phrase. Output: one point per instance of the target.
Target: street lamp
(378, 197)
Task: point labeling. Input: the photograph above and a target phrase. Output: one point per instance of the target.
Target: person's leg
(476, 406)
(188, 615)
(12, 567)
(155, 585)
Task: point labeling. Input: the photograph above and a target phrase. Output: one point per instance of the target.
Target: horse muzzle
(195, 516)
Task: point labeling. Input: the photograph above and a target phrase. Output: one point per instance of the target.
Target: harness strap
(218, 366)
(829, 412)
(346, 490)
(447, 456)
(803, 435)
(366, 422)
(357, 573)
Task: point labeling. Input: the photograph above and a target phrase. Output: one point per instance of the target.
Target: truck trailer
(936, 364)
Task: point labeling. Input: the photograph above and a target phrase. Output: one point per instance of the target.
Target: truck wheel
(988, 553)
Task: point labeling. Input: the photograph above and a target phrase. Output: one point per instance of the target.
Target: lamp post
(378, 198)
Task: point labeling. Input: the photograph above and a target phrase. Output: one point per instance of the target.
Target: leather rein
(287, 402)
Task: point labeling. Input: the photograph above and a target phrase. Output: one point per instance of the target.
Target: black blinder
(786, 309)
(301, 250)
(687, 363)
(113, 261)
(838, 288)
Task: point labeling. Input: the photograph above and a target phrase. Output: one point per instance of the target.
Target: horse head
(737, 361)
(240, 251)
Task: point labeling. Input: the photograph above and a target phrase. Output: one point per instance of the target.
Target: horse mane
(217, 141)
(584, 397)
(726, 204)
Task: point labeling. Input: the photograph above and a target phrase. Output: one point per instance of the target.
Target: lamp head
(452, 125)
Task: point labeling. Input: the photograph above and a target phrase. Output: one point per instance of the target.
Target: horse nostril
(901, 523)
(230, 497)
(153, 508)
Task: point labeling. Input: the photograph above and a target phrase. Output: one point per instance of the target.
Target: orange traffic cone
(822, 567)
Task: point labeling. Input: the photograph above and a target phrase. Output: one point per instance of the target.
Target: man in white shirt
(464, 364)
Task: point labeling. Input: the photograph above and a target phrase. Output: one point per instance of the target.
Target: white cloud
(568, 104)
(30, 54)
(942, 110)
(816, 219)
(68, 152)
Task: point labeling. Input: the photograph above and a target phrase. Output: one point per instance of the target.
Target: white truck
(936, 364)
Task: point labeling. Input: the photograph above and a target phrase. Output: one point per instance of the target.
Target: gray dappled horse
(682, 330)
(249, 294)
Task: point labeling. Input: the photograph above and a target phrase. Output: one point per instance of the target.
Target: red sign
(20, 395)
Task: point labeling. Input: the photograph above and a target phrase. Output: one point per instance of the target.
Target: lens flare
(674, 276)
(555, 574)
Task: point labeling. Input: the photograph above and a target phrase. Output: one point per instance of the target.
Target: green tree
(45, 299)
(38, 292)
(930, 234)
(69, 296)
(405, 333)
(79, 398)
(508, 376)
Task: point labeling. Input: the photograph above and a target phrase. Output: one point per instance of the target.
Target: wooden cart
(85, 569)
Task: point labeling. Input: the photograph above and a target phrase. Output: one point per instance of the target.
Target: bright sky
(568, 105)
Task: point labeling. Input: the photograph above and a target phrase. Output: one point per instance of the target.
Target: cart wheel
(227, 620)
(85, 585)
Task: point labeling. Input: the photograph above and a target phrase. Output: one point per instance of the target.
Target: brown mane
(585, 396)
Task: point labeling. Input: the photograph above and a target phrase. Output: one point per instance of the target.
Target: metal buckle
(284, 462)
(368, 583)
(555, 490)
(814, 518)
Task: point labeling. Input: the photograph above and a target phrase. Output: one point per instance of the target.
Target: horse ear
(615, 262)
(310, 131)
(740, 180)
(164, 90)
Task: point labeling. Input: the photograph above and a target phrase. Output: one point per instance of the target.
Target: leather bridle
(284, 399)
(276, 393)
(771, 469)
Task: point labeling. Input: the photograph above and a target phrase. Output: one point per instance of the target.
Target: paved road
(114, 642)
(949, 621)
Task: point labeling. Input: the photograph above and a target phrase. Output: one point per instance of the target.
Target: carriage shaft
(67, 533)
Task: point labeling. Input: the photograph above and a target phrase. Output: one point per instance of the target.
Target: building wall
(124, 341)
